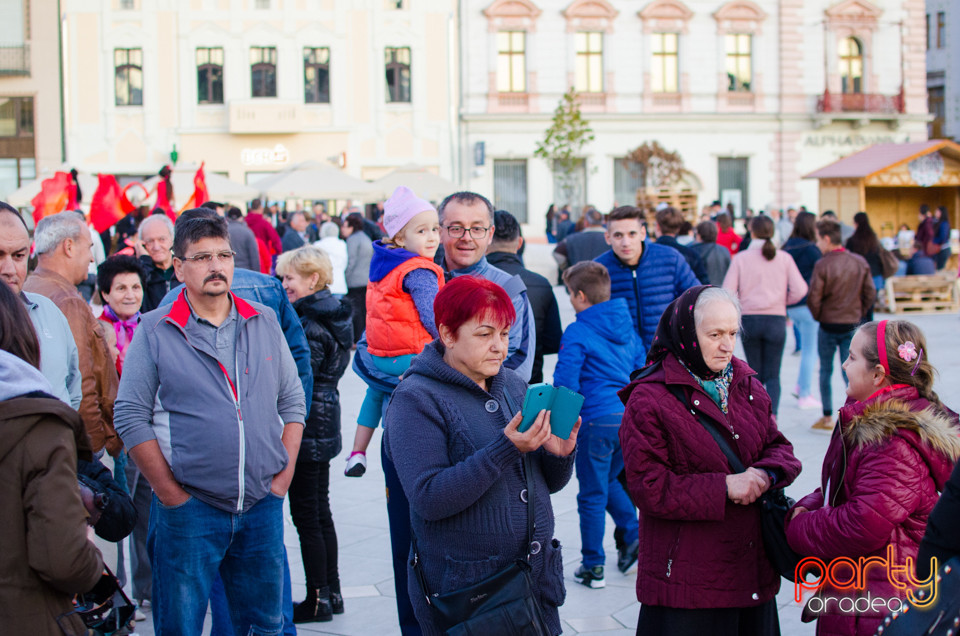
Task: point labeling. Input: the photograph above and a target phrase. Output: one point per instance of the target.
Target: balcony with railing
(265, 115)
(14, 59)
(593, 102)
(870, 103)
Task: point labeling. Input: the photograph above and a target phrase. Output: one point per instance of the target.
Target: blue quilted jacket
(661, 275)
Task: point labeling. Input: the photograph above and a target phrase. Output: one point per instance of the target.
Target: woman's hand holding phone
(563, 447)
(534, 437)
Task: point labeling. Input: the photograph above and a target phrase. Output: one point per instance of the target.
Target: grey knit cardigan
(464, 480)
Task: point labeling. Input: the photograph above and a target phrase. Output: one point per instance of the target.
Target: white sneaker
(356, 465)
(808, 402)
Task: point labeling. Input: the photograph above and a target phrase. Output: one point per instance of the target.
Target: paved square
(359, 508)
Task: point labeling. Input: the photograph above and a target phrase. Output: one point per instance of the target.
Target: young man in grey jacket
(221, 458)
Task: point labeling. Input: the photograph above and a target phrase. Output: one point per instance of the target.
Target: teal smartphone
(539, 397)
(564, 406)
(565, 412)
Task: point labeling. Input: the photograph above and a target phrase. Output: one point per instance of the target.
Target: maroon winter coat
(697, 548)
(898, 451)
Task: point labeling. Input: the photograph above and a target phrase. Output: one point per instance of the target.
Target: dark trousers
(140, 566)
(310, 509)
(827, 343)
(763, 340)
(398, 514)
(942, 257)
(735, 621)
(358, 298)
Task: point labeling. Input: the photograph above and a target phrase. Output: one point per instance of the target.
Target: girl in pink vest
(404, 281)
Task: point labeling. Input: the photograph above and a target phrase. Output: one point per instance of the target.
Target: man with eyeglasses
(155, 236)
(221, 456)
(466, 230)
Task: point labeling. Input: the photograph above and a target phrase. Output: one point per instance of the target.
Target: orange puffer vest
(393, 323)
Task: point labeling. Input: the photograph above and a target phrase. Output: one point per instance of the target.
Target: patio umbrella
(424, 183)
(314, 180)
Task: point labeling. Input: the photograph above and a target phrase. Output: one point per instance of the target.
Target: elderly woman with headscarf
(703, 569)
(336, 248)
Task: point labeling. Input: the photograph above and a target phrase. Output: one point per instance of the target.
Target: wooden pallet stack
(937, 293)
(682, 198)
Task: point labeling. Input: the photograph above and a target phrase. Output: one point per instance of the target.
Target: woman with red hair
(452, 433)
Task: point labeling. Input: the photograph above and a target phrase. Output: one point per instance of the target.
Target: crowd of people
(199, 389)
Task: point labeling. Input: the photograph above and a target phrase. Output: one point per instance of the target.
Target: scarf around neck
(123, 328)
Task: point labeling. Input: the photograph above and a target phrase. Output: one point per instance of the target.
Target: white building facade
(31, 139)
(251, 86)
(943, 68)
(753, 95)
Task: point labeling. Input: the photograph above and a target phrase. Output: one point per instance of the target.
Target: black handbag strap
(715, 433)
(531, 484)
(531, 523)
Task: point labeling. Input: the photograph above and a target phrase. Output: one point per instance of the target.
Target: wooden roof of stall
(880, 158)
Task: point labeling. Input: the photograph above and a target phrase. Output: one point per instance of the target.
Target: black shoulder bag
(503, 603)
(774, 504)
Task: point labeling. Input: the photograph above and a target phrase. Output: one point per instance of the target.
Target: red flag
(106, 208)
(53, 196)
(200, 193)
(125, 202)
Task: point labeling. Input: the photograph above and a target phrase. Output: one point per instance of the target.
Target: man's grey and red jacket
(220, 432)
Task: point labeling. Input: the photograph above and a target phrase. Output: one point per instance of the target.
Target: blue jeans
(808, 327)
(827, 343)
(398, 516)
(371, 410)
(190, 543)
(220, 623)
(598, 462)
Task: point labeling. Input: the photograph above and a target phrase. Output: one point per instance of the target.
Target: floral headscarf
(677, 334)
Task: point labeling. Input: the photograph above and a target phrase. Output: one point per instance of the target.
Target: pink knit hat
(402, 206)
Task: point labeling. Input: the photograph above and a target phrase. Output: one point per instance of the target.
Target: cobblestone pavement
(359, 508)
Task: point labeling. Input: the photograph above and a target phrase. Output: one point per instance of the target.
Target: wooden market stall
(891, 181)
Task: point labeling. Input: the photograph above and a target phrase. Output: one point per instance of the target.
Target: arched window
(263, 71)
(851, 66)
(210, 76)
(128, 65)
(397, 63)
(316, 75)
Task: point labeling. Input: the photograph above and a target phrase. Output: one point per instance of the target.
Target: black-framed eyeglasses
(476, 232)
(205, 258)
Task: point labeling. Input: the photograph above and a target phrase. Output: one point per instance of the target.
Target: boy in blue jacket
(597, 354)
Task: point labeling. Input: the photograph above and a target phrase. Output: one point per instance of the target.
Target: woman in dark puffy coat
(890, 456)
(702, 569)
(327, 323)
